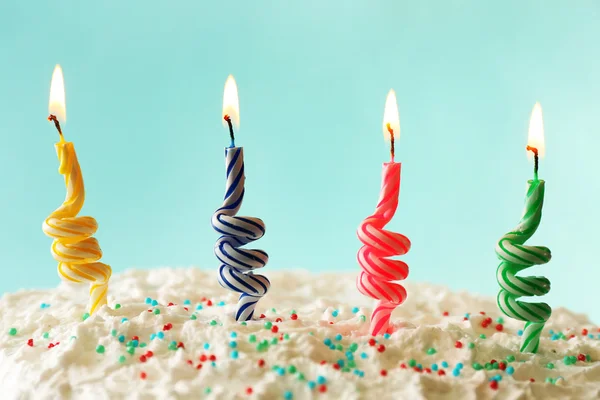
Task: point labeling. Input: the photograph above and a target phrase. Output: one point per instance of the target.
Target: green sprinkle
(113, 332)
(292, 369)
(45, 335)
(268, 325)
(550, 366)
(286, 336)
(300, 376)
(351, 363)
(207, 390)
(274, 340)
(156, 311)
(131, 350)
(122, 359)
(412, 362)
(495, 365)
(100, 349)
(353, 347)
(346, 369)
(588, 358)
(293, 312)
(363, 318)
(488, 366)
(510, 358)
(477, 366)
(252, 338)
(482, 336)
(339, 347)
(117, 306)
(85, 316)
(12, 331)
(244, 323)
(471, 345)
(273, 310)
(213, 322)
(500, 320)
(549, 380)
(431, 351)
(143, 344)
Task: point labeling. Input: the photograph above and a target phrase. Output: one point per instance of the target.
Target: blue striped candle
(237, 263)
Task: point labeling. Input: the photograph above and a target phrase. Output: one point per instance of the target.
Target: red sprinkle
(190, 362)
(383, 372)
(323, 362)
(278, 320)
(584, 332)
(403, 366)
(294, 316)
(212, 357)
(482, 312)
(135, 338)
(571, 336)
(249, 390)
(417, 369)
(502, 366)
(441, 372)
(372, 342)
(263, 316)
(261, 363)
(170, 304)
(203, 357)
(446, 313)
(149, 353)
(428, 370)
(167, 327)
(581, 357)
(531, 380)
(186, 309)
(143, 375)
(199, 366)
(143, 358)
(381, 348)
(322, 388)
(499, 327)
(274, 329)
(494, 385)
(336, 366)
(458, 344)
(180, 345)
(209, 303)
(30, 343)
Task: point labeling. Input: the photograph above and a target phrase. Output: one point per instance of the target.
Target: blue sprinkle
(349, 356)
(467, 315)
(355, 310)
(340, 363)
(338, 337)
(135, 343)
(520, 332)
(233, 344)
(510, 370)
(444, 364)
(199, 307)
(312, 384)
(221, 303)
(590, 336)
(363, 355)
(459, 365)
(386, 335)
(281, 371)
(124, 320)
(455, 372)
(122, 338)
(234, 354)
(551, 331)
(332, 346)
(498, 378)
(233, 335)
(356, 372)
(154, 303)
(321, 380)
(327, 342)
(148, 300)
(335, 313)
(288, 395)
(187, 302)
(362, 374)
(434, 367)
(214, 364)
(554, 337)
(161, 335)
(152, 336)
(420, 366)
(206, 346)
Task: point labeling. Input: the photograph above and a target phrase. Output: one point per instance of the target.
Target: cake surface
(194, 348)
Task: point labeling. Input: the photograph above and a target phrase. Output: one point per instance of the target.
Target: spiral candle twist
(515, 257)
(377, 269)
(76, 251)
(236, 271)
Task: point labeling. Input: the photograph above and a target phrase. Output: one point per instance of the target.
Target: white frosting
(74, 369)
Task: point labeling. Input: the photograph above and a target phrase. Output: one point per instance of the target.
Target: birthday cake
(171, 334)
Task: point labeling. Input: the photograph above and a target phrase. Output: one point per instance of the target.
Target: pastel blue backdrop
(144, 85)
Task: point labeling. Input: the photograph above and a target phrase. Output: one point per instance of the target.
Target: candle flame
(536, 131)
(231, 102)
(57, 105)
(391, 118)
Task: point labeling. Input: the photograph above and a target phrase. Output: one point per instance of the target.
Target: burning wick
(56, 124)
(391, 131)
(228, 119)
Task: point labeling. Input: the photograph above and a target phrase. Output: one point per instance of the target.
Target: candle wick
(536, 161)
(231, 135)
(391, 131)
(53, 118)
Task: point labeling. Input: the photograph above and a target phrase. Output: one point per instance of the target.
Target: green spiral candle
(516, 256)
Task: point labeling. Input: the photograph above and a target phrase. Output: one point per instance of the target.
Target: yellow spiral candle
(76, 251)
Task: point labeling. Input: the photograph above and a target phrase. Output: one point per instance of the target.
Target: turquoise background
(144, 82)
